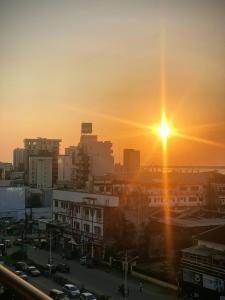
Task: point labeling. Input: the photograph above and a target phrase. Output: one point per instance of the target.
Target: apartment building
(177, 195)
(18, 159)
(202, 266)
(42, 147)
(40, 172)
(89, 217)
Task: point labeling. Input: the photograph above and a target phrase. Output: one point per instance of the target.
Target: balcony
(21, 288)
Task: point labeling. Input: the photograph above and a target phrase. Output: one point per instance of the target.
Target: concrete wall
(12, 202)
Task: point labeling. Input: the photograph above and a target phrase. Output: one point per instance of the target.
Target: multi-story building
(18, 159)
(64, 169)
(5, 170)
(90, 158)
(177, 195)
(40, 172)
(42, 147)
(131, 162)
(101, 161)
(89, 216)
(202, 266)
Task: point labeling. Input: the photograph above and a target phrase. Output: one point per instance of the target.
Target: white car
(71, 290)
(22, 275)
(33, 271)
(87, 296)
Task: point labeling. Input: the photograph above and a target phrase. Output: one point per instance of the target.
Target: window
(56, 203)
(98, 213)
(192, 199)
(86, 228)
(108, 188)
(97, 230)
(86, 212)
(183, 188)
(194, 188)
(76, 225)
(101, 188)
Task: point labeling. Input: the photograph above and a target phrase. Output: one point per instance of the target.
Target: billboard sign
(213, 283)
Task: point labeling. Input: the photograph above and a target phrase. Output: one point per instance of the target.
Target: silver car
(33, 271)
(87, 296)
(71, 290)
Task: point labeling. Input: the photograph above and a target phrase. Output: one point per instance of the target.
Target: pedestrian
(140, 286)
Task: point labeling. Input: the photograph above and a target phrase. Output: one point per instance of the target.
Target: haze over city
(64, 62)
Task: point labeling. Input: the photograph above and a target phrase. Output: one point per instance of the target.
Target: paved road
(102, 281)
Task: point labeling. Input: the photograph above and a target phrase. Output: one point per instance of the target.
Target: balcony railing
(20, 287)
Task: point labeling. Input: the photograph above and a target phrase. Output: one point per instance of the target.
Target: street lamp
(126, 264)
(50, 246)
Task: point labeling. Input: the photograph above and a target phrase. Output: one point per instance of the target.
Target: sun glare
(164, 130)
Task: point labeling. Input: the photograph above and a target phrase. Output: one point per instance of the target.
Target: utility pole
(92, 237)
(126, 264)
(125, 276)
(50, 248)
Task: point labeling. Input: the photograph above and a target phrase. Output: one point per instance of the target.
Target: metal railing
(21, 288)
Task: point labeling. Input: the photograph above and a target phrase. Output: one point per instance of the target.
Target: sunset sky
(65, 62)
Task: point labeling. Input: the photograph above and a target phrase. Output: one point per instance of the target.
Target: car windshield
(32, 268)
(91, 297)
(72, 288)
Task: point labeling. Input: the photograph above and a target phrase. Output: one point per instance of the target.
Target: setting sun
(164, 130)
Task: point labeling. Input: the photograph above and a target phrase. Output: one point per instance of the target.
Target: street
(100, 281)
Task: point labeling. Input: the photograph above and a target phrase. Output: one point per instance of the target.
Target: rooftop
(215, 235)
(196, 217)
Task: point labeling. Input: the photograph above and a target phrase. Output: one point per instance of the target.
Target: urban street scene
(112, 152)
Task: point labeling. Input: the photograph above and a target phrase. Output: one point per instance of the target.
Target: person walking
(140, 287)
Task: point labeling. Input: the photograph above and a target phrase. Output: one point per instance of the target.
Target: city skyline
(71, 62)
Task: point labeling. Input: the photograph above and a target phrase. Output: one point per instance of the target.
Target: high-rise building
(42, 147)
(64, 168)
(131, 162)
(40, 171)
(18, 159)
(92, 157)
(99, 153)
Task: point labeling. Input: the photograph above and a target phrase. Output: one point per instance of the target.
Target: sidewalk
(103, 282)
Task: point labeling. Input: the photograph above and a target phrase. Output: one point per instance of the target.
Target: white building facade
(86, 214)
(40, 172)
(64, 168)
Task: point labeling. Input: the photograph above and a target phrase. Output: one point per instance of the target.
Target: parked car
(64, 268)
(33, 271)
(51, 268)
(7, 243)
(21, 266)
(18, 242)
(1, 259)
(58, 295)
(71, 290)
(87, 296)
(83, 260)
(22, 275)
(2, 249)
